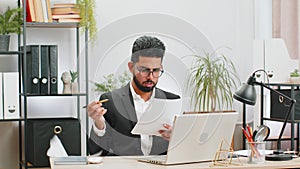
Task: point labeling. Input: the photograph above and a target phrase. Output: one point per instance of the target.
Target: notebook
(197, 138)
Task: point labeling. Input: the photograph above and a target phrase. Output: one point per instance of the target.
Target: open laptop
(197, 138)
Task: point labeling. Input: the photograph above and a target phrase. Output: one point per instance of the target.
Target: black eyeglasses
(145, 72)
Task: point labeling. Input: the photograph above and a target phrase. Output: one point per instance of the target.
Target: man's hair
(147, 46)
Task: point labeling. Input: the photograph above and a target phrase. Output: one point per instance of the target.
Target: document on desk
(161, 111)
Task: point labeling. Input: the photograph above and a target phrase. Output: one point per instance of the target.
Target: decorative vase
(4, 43)
(74, 87)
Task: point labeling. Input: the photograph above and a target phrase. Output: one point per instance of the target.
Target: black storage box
(40, 131)
(279, 110)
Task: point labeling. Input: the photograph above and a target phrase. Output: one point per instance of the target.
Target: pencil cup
(256, 152)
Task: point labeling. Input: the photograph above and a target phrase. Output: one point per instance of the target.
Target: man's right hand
(96, 112)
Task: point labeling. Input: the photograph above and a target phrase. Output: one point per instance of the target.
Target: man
(114, 120)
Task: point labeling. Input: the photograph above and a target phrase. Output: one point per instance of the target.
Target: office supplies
(196, 138)
(1, 96)
(45, 69)
(70, 160)
(53, 54)
(261, 133)
(251, 142)
(247, 95)
(101, 101)
(32, 72)
(10, 95)
(40, 132)
(160, 112)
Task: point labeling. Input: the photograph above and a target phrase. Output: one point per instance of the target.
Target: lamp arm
(293, 101)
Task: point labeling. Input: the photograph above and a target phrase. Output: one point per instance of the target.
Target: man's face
(145, 73)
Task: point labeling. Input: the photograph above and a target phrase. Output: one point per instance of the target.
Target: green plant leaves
(212, 80)
(11, 21)
(111, 82)
(87, 14)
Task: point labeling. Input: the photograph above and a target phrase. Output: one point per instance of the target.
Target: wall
(193, 25)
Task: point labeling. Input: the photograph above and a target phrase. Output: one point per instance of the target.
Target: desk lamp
(247, 94)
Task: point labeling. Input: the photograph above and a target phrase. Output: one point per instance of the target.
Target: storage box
(40, 131)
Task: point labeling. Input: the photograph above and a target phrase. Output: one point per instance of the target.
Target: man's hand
(96, 112)
(166, 134)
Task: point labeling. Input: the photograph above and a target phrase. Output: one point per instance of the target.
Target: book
(44, 10)
(70, 160)
(38, 10)
(66, 16)
(75, 20)
(64, 10)
(64, 5)
(30, 12)
(49, 10)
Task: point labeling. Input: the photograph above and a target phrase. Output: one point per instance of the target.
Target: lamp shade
(246, 94)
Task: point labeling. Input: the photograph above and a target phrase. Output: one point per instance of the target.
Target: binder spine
(1, 96)
(11, 95)
(45, 87)
(53, 68)
(32, 63)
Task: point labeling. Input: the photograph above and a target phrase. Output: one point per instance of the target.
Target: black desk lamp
(247, 95)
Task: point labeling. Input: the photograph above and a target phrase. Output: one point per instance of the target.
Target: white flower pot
(295, 80)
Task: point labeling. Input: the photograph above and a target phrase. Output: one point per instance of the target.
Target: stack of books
(38, 11)
(65, 12)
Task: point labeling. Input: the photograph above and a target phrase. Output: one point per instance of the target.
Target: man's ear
(131, 67)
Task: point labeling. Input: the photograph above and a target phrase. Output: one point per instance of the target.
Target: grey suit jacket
(120, 120)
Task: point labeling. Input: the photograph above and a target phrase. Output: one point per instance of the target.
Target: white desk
(117, 162)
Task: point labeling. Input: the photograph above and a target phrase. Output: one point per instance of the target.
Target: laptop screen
(197, 137)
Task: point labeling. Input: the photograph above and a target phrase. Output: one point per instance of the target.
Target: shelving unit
(23, 96)
(294, 122)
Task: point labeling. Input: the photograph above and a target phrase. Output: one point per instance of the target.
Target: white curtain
(285, 24)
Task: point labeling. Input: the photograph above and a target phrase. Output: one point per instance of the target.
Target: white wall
(193, 25)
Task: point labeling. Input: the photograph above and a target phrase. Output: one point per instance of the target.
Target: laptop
(197, 138)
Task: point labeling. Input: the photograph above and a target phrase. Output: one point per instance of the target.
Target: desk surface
(132, 163)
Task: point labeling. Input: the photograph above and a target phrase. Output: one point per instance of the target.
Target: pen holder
(256, 152)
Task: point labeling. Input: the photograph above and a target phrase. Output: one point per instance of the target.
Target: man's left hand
(166, 134)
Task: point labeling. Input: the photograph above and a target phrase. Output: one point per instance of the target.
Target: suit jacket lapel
(127, 105)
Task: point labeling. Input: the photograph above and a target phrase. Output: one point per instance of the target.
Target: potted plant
(295, 76)
(87, 14)
(10, 22)
(74, 84)
(212, 81)
(112, 82)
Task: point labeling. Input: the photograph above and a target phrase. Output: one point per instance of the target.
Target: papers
(56, 148)
(161, 111)
(75, 160)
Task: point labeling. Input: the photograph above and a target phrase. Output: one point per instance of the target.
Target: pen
(249, 131)
(250, 140)
(101, 101)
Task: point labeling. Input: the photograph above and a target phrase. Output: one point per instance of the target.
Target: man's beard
(143, 88)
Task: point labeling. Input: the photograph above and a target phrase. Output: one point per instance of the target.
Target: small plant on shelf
(10, 22)
(74, 85)
(74, 75)
(295, 76)
(295, 73)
